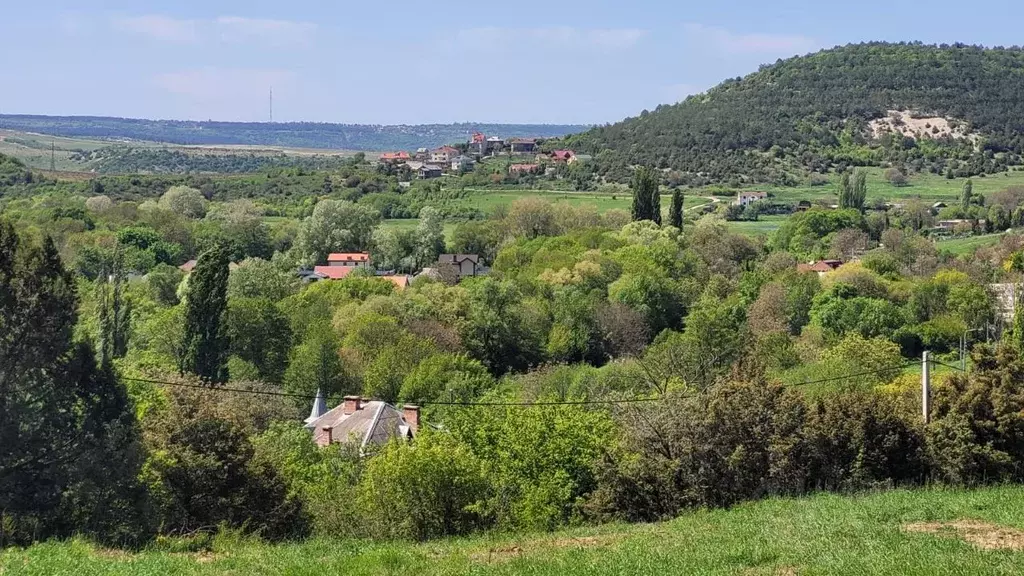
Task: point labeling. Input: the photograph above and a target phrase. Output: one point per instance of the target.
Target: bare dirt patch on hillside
(984, 535)
(509, 552)
(917, 126)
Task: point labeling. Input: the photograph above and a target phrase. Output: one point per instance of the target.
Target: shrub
(422, 490)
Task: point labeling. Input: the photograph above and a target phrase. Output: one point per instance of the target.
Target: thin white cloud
(728, 42)
(280, 32)
(553, 37)
(159, 27)
(226, 29)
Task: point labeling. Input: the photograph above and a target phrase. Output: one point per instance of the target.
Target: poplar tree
(966, 194)
(676, 210)
(205, 340)
(646, 197)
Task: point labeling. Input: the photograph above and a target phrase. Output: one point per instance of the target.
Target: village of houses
(427, 164)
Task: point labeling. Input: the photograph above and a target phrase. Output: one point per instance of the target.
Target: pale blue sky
(551, 61)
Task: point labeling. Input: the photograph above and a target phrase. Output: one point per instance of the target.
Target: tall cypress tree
(205, 341)
(646, 198)
(675, 212)
(966, 194)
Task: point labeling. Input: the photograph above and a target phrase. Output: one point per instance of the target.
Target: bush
(424, 490)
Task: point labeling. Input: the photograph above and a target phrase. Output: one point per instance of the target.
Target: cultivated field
(898, 532)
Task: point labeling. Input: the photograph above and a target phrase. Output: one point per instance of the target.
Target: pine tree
(966, 194)
(646, 198)
(205, 341)
(675, 212)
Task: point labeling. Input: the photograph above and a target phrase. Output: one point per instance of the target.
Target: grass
(763, 225)
(924, 186)
(958, 246)
(825, 534)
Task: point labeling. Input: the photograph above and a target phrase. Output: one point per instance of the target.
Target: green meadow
(927, 531)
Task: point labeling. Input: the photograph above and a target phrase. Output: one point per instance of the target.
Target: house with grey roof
(464, 264)
(368, 423)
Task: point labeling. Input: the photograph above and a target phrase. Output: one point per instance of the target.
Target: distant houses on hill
(427, 164)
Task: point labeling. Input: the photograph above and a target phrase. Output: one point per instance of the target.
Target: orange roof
(334, 272)
(348, 257)
(562, 154)
(394, 156)
(400, 282)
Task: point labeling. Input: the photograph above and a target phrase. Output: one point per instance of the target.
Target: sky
(406, 62)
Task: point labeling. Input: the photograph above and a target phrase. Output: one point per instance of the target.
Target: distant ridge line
(325, 135)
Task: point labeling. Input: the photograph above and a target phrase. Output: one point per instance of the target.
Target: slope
(814, 113)
(898, 532)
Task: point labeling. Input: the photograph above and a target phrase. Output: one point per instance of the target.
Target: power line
(858, 374)
(957, 368)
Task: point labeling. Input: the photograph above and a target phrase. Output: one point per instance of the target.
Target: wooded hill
(815, 113)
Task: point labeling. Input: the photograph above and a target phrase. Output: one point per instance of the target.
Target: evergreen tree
(115, 316)
(63, 420)
(646, 199)
(676, 210)
(966, 194)
(1017, 335)
(205, 340)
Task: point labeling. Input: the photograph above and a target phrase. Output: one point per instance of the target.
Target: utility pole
(53, 156)
(926, 388)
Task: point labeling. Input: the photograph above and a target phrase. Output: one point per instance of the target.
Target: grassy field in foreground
(898, 532)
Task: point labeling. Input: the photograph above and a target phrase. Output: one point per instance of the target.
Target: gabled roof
(457, 258)
(375, 423)
(394, 156)
(348, 257)
(319, 409)
(334, 272)
(448, 149)
(431, 167)
(562, 154)
(188, 266)
(821, 266)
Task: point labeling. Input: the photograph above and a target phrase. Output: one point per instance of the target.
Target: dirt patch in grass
(506, 553)
(113, 554)
(984, 535)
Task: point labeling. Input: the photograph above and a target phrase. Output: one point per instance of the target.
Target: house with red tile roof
(333, 272)
(822, 267)
(395, 157)
(562, 155)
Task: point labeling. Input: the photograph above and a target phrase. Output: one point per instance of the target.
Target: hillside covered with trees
(814, 114)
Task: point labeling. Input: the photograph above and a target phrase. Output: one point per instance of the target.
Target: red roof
(348, 257)
(562, 155)
(822, 266)
(478, 138)
(394, 156)
(334, 272)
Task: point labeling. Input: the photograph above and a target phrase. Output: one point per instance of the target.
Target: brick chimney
(412, 417)
(325, 437)
(352, 404)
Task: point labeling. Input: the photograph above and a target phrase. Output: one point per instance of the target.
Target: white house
(746, 198)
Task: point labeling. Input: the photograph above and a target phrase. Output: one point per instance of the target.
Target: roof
(334, 272)
(522, 167)
(821, 266)
(456, 258)
(348, 257)
(400, 281)
(188, 266)
(319, 409)
(562, 154)
(448, 149)
(394, 156)
(374, 423)
(431, 167)
(522, 140)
